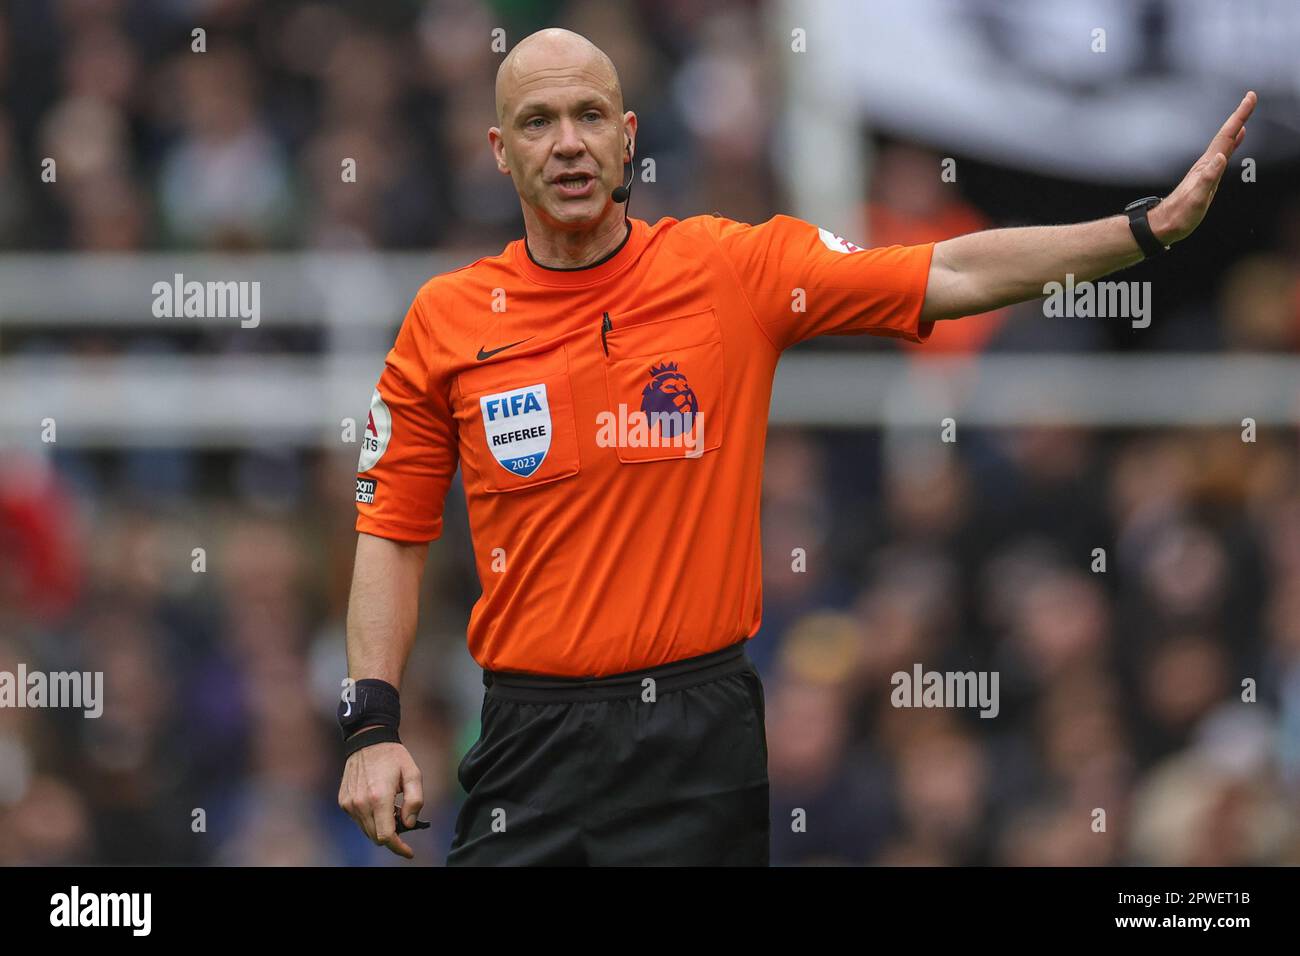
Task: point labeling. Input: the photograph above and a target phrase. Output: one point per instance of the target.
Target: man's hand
(372, 778)
(1183, 209)
(987, 270)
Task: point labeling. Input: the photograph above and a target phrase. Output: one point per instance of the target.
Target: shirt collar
(619, 259)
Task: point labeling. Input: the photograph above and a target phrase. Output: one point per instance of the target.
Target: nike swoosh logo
(348, 712)
(484, 354)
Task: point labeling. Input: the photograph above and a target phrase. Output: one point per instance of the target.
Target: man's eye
(591, 114)
(535, 123)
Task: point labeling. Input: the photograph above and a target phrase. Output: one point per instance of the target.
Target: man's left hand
(1183, 209)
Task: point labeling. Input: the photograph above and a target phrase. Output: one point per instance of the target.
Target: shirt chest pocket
(665, 382)
(517, 420)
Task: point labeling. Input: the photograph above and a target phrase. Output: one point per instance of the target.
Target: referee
(603, 385)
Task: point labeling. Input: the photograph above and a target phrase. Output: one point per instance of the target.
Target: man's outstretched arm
(382, 612)
(987, 270)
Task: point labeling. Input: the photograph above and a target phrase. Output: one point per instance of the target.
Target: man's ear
(499, 150)
(629, 134)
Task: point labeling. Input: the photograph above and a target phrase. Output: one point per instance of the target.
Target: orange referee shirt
(609, 423)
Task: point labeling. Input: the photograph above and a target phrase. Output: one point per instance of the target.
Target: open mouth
(577, 185)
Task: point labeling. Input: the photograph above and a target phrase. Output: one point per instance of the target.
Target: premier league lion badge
(669, 400)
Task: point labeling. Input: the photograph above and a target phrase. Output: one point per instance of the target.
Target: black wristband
(373, 702)
(375, 735)
(1141, 228)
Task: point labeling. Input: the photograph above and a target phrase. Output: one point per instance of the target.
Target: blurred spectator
(912, 203)
(226, 181)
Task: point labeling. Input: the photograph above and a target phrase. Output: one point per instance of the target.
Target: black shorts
(593, 773)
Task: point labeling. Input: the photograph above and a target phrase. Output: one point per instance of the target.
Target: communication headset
(623, 193)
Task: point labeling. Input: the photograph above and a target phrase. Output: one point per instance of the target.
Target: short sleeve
(408, 442)
(802, 281)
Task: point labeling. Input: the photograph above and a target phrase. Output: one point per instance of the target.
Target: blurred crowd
(1138, 595)
(1137, 592)
(241, 146)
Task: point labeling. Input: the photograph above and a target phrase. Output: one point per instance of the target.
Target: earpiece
(621, 193)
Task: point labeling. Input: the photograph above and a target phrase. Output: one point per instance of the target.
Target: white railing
(246, 400)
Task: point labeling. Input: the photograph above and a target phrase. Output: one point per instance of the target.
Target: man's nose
(569, 143)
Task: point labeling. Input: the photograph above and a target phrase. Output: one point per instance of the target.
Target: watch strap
(1141, 227)
(367, 738)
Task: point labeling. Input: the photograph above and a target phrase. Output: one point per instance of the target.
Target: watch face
(1150, 202)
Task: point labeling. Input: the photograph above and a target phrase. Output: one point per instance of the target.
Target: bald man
(564, 188)
(603, 385)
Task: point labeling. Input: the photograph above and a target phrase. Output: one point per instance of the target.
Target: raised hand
(1183, 209)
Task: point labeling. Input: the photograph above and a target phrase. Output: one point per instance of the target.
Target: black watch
(1141, 229)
